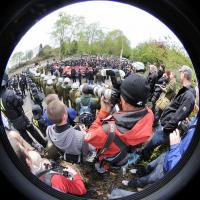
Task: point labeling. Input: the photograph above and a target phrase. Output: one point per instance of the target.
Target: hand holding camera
(106, 106)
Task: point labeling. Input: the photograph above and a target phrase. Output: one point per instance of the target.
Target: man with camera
(178, 110)
(116, 134)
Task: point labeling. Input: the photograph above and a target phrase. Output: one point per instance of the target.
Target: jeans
(154, 170)
(159, 138)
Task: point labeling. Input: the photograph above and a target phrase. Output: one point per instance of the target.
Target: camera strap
(109, 129)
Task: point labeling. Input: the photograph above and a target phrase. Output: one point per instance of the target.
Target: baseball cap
(186, 70)
(135, 90)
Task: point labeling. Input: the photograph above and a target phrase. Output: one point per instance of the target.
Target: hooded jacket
(133, 128)
(69, 140)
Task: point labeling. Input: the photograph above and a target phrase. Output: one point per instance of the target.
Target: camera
(111, 95)
(183, 127)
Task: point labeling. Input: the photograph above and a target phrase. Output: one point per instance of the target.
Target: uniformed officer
(49, 87)
(65, 91)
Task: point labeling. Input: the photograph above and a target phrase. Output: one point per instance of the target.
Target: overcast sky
(136, 24)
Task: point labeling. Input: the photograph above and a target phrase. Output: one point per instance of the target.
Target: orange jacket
(138, 134)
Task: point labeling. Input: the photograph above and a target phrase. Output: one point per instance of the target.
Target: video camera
(111, 95)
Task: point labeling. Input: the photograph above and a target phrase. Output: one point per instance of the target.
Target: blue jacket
(176, 151)
(71, 112)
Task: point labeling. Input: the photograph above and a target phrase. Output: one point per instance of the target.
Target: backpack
(86, 116)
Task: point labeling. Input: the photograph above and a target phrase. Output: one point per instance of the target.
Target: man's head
(50, 98)
(185, 73)
(134, 91)
(56, 111)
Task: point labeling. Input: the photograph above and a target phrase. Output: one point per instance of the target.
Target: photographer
(178, 110)
(115, 134)
(156, 169)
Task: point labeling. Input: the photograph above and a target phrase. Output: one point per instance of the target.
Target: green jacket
(171, 89)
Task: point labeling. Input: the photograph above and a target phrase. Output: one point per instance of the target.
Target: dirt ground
(100, 185)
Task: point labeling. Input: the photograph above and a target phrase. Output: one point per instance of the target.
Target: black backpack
(86, 116)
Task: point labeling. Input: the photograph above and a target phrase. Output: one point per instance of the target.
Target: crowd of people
(88, 128)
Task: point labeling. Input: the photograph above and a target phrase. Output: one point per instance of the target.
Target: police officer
(74, 94)
(65, 91)
(49, 88)
(37, 97)
(54, 79)
(44, 84)
(11, 106)
(59, 87)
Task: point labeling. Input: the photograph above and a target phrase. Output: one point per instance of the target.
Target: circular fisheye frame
(182, 18)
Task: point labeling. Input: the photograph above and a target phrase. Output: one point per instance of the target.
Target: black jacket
(12, 104)
(152, 79)
(179, 109)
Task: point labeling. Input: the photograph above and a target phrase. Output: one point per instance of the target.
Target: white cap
(75, 85)
(49, 82)
(66, 80)
(60, 79)
(53, 77)
(46, 78)
(42, 75)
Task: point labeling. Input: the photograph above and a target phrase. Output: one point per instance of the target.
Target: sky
(137, 25)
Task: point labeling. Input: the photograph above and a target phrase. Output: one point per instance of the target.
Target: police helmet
(37, 111)
(46, 78)
(53, 77)
(66, 80)
(34, 90)
(60, 79)
(75, 86)
(49, 82)
(33, 85)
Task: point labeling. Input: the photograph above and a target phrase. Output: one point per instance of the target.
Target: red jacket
(137, 134)
(63, 184)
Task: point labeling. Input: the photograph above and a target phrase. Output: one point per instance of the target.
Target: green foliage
(160, 52)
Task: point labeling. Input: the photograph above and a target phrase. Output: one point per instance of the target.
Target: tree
(17, 58)
(28, 55)
(114, 42)
(158, 52)
(66, 29)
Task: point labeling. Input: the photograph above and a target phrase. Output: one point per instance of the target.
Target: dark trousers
(30, 128)
(153, 172)
(159, 138)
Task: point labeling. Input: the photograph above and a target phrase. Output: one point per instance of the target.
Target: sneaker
(125, 182)
(133, 171)
(99, 169)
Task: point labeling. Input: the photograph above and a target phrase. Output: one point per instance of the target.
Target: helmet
(53, 77)
(60, 79)
(37, 111)
(46, 78)
(49, 82)
(66, 80)
(34, 90)
(33, 85)
(75, 86)
(87, 119)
